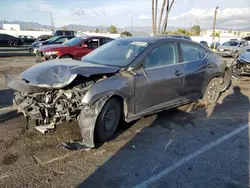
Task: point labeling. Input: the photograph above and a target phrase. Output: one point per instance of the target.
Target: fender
(114, 85)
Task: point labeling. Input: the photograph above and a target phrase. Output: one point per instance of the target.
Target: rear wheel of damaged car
(212, 92)
(108, 120)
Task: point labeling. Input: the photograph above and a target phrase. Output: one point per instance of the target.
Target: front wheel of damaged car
(212, 92)
(108, 120)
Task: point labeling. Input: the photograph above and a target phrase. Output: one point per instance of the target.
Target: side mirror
(84, 46)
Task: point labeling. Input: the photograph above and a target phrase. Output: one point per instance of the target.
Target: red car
(74, 48)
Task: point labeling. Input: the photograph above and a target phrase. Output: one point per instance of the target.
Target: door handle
(177, 73)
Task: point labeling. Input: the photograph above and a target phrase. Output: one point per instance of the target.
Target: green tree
(126, 34)
(182, 32)
(230, 31)
(217, 34)
(97, 30)
(196, 30)
(112, 29)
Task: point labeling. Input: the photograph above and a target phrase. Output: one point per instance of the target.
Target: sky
(231, 14)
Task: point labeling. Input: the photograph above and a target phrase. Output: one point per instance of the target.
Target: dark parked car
(204, 43)
(43, 38)
(127, 79)
(53, 40)
(63, 32)
(74, 48)
(9, 40)
(27, 39)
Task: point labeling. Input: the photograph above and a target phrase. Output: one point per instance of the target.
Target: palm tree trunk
(161, 14)
(168, 8)
(156, 11)
(153, 15)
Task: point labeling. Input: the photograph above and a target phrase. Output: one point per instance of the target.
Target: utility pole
(131, 23)
(215, 15)
(51, 22)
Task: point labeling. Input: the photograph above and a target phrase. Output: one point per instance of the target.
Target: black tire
(212, 92)
(108, 120)
(66, 56)
(13, 44)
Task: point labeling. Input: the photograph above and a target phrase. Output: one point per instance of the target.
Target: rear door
(161, 82)
(92, 44)
(195, 67)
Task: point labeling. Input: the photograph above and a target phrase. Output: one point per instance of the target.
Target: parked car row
(123, 79)
(11, 41)
(75, 48)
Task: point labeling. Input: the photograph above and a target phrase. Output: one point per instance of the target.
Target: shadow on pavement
(8, 116)
(15, 54)
(172, 138)
(6, 97)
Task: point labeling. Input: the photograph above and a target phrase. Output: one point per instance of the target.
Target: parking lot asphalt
(192, 146)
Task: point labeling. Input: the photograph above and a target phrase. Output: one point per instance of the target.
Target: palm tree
(156, 10)
(153, 15)
(168, 8)
(161, 14)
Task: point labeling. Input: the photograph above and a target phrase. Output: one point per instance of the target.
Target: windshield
(74, 41)
(231, 43)
(52, 39)
(118, 53)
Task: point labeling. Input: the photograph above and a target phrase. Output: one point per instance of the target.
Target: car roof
(152, 39)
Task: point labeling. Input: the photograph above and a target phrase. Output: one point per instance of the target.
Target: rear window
(192, 52)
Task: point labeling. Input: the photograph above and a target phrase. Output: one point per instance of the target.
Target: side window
(93, 43)
(192, 52)
(60, 41)
(166, 54)
(105, 40)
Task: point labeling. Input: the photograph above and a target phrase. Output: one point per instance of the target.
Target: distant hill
(27, 25)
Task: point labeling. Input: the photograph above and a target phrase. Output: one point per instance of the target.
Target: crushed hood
(61, 72)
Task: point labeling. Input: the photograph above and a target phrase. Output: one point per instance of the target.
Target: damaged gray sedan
(125, 79)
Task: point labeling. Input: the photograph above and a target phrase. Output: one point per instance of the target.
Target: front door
(161, 82)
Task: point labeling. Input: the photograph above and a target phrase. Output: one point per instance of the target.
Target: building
(226, 33)
(15, 27)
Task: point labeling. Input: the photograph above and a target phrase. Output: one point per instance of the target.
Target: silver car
(233, 48)
(125, 79)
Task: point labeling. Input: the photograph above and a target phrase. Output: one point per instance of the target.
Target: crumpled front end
(51, 107)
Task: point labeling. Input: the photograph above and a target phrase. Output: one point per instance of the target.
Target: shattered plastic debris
(74, 145)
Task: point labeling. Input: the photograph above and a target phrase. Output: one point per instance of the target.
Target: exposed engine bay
(55, 106)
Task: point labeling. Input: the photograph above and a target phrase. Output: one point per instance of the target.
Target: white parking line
(191, 156)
